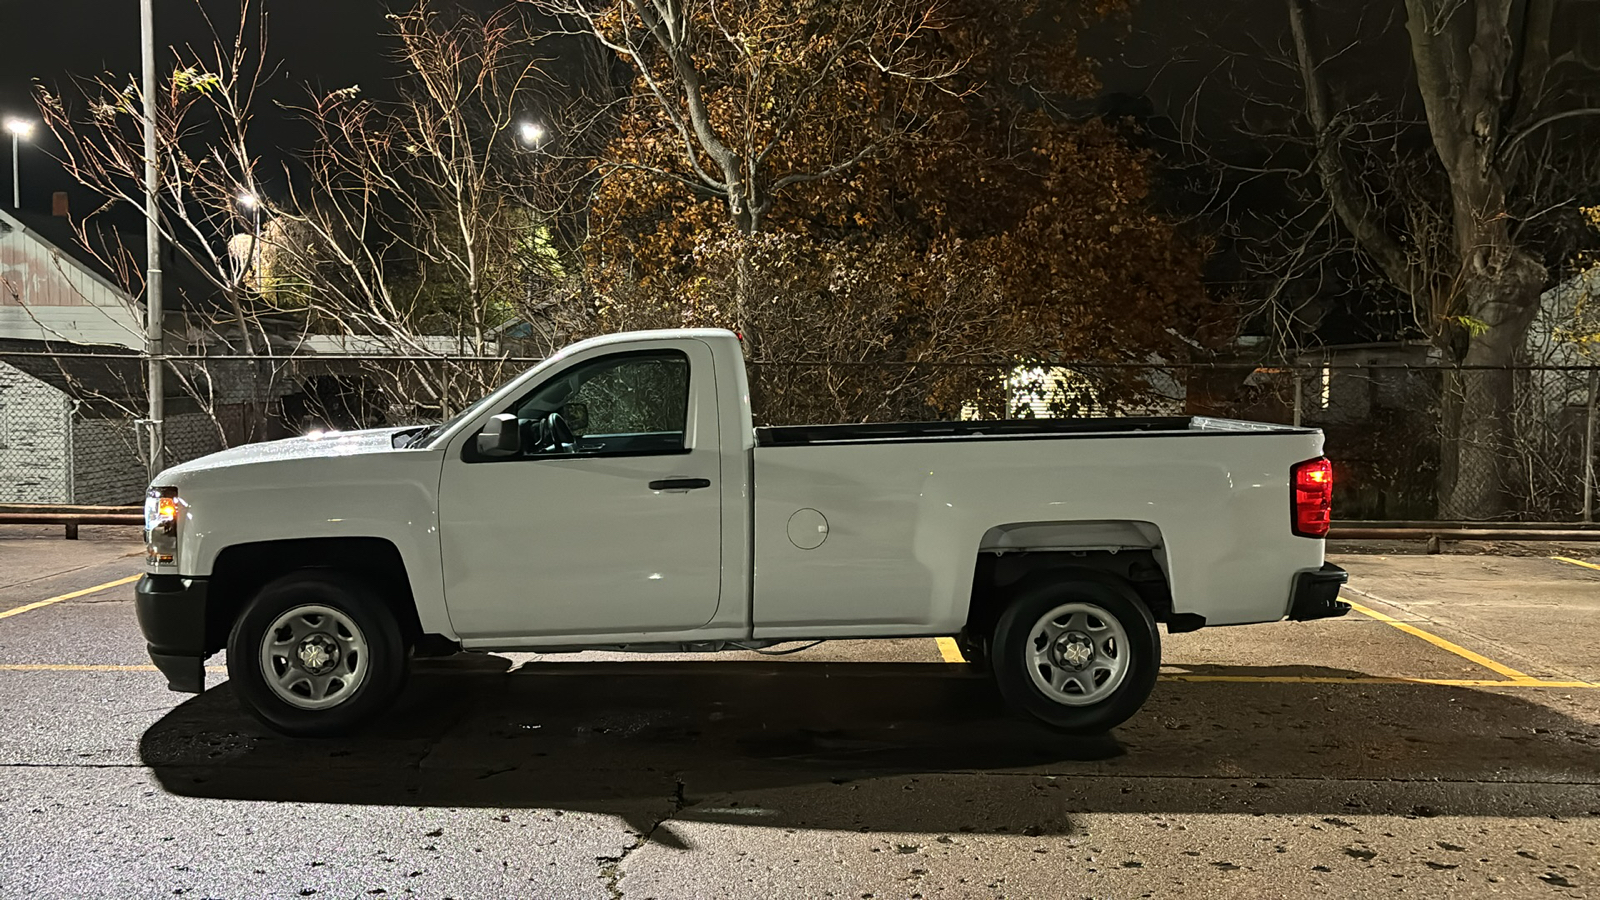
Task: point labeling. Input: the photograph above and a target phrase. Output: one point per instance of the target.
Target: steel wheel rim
(1078, 654)
(314, 657)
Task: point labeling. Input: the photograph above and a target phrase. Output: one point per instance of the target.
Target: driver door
(608, 519)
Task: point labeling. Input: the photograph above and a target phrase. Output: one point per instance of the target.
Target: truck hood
(323, 445)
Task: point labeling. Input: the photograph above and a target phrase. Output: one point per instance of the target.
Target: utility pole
(152, 243)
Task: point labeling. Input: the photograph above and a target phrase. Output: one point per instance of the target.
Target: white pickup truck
(617, 497)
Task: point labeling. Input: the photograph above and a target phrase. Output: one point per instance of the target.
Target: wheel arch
(241, 570)
(1017, 557)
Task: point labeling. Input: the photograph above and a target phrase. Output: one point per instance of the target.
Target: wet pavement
(1444, 743)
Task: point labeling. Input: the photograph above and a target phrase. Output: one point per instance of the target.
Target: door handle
(680, 484)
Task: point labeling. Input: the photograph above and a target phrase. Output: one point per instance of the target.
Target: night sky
(330, 44)
(324, 43)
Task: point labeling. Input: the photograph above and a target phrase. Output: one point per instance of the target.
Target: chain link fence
(1401, 436)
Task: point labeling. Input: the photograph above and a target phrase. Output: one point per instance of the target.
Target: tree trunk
(1477, 459)
(749, 332)
(1462, 52)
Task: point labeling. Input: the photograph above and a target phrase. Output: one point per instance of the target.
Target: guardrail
(1463, 525)
(1436, 532)
(70, 517)
(1464, 531)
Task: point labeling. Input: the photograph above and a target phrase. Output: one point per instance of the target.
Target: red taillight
(1313, 497)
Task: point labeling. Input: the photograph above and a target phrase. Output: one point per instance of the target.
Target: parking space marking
(1165, 676)
(1576, 562)
(1378, 679)
(69, 667)
(949, 650)
(75, 594)
(1442, 644)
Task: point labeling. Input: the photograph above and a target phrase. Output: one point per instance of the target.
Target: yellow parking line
(1317, 679)
(1576, 562)
(1226, 679)
(63, 667)
(60, 667)
(949, 650)
(1443, 644)
(86, 591)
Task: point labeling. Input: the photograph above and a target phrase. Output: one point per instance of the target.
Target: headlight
(162, 509)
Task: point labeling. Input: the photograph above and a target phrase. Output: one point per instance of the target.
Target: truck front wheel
(1081, 657)
(315, 654)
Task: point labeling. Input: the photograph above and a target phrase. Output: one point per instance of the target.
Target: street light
(532, 133)
(19, 128)
(250, 202)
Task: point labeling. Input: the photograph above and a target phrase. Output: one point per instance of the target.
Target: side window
(643, 395)
(624, 404)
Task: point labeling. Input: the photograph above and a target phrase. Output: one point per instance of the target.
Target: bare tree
(1449, 187)
(1462, 53)
(414, 230)
(435, 216)
(207, 158)
(207, 198)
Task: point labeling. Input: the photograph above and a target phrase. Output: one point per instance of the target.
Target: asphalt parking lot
(1444, 740)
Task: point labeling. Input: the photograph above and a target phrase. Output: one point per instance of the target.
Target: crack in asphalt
(9, 585)
(611, 866)
(28, 765)
(29, 581)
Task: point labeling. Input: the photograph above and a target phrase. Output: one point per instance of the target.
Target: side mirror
(501, 436)
(577, 416)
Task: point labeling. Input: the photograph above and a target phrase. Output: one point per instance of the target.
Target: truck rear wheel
(1080, 656)
(316, 654)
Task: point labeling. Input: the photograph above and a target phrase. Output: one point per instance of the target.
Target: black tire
(382, 671)
(1012, 656)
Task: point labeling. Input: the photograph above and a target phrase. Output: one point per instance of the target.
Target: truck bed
(875, 530)
(1010, 429)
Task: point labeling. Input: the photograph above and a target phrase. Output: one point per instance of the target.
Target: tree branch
(1354, 208)
(1522, 133)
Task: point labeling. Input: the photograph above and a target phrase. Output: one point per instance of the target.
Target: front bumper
(172, 615)
(1316, 594)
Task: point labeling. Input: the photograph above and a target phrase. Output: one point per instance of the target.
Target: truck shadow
(923, 747)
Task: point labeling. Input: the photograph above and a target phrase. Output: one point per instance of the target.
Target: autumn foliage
(944, 208)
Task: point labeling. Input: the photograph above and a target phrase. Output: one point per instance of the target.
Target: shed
(70, 428)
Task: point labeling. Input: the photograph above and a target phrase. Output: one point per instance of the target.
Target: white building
(46, 294)
(68, 423)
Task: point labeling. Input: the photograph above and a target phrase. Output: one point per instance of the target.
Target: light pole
(19, 128)
(532, 135)
(251, 203)
(154, 335)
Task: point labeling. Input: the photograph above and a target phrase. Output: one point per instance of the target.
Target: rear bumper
(1316, 594)
(172, 615)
